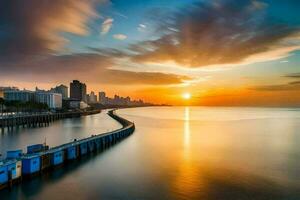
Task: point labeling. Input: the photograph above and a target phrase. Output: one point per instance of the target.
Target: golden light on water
(188, 177)
(186, 132)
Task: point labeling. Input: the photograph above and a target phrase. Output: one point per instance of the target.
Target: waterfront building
(61, 89)
(19, 95)
(53, 100)
(3, 89)
(78, 91)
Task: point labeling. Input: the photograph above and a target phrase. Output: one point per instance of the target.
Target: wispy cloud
(280, 87)
(293, 75)
(293, 84)
(141, 27)
(120, 36)
(106, 26)
(284, 61)
(120, 15)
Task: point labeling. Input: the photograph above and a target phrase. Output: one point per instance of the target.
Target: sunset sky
(222, 52)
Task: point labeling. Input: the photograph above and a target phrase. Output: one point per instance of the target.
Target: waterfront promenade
(18, 166)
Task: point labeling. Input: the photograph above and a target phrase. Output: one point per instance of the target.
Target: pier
(40, 157)
(37, 120)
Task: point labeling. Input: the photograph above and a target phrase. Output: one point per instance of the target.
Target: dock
(33, 120)
(40, 157)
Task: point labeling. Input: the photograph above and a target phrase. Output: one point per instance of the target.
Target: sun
(186, 96)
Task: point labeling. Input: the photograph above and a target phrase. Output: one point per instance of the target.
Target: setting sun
(186, 96)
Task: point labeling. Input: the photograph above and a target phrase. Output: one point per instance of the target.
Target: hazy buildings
(102, 98)
(78, 91)
(92, 98)
(119, 101)
(61, 89)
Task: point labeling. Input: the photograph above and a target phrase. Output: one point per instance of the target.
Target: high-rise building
(92, 98)
(61, 89)
(78, 91)
(102, 97)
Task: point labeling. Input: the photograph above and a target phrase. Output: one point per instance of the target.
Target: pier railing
(19, 165)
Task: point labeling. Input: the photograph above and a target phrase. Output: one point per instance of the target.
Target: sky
(222, 52)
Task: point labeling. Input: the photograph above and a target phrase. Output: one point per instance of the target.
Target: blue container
(57, 157)
(83, 148)
(14, 154)
(31, 165)
(3, 174)
(71, 153)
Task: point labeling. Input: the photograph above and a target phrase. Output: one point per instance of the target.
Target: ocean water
(175, 153)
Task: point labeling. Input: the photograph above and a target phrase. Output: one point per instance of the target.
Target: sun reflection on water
(187, 181)
(186, 129)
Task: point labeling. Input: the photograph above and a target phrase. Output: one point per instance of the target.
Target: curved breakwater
(18, 166)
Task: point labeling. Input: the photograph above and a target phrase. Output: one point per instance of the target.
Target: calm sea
(175, 153)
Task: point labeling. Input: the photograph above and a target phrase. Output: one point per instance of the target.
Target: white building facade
(53, 100)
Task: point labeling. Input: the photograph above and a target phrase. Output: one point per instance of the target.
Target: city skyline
(221, 52)
(77, 91)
